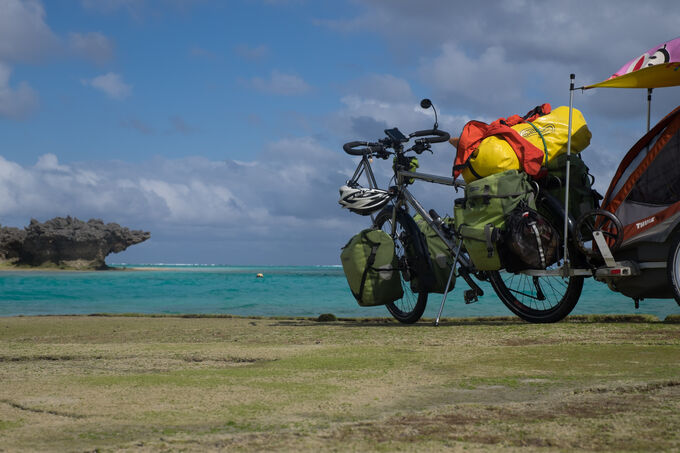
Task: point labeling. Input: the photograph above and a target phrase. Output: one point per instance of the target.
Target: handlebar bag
(480, 218)
(371, 268)
(440, 257)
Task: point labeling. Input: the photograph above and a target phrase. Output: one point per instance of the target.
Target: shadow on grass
(330, 319)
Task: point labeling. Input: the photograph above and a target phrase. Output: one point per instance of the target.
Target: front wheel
(540, 299)
(412, 255)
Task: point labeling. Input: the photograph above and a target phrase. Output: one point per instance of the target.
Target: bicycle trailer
(645, 196)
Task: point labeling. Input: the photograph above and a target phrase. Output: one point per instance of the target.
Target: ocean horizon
(185, 288)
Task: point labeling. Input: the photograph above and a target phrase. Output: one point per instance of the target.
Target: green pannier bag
(480, 217)
(582, 197)
(440, 256)
(370, 266)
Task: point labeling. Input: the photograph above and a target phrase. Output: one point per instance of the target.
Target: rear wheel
(540, 299)
(413, 258)
(673, 266)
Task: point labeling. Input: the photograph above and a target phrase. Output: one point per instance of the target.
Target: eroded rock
(67, 242)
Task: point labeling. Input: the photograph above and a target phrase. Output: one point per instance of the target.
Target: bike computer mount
(395, 135)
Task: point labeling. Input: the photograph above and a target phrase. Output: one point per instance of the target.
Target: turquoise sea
(284, 291)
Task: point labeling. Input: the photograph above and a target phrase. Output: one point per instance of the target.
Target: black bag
(582, 196)
(530, 240)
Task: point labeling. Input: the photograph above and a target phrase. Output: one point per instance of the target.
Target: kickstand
(446, 292)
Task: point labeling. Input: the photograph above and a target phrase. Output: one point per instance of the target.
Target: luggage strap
(489, 230)
(369, 264)
(467, 165)
(534, 228)
(486, 196)
(545, 146)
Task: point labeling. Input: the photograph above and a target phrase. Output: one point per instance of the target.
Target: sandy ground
(263, 384)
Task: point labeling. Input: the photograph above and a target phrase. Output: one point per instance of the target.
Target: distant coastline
(10, 267)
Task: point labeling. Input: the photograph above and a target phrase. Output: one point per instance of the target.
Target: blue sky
(218, 125)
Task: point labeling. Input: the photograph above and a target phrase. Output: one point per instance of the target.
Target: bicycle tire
(412, 253)
(673, 265)
(543, 299)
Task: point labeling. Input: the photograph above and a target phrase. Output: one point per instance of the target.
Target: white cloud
(24, 35)
(15, 103)
(281, 84)
(408, 116)
(50, 162)
(93, 46)
(293, 182)
(111, 84)
(179, 125)
(138, 125)
(132, 7)
(253, 53)
(383, 87)
(519, 50)
(486, 78)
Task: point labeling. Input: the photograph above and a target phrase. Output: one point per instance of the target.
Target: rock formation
(66, 242)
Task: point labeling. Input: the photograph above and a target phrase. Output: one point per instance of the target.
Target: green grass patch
(232, 383)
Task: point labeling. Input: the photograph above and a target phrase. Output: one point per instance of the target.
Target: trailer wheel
(673, 266)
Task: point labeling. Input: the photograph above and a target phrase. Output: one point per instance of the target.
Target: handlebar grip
(351, 148)
(441, 135)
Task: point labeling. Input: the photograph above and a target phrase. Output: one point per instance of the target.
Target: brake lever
(421, 146)
(384, 154)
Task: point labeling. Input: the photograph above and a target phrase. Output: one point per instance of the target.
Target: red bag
(530, 157)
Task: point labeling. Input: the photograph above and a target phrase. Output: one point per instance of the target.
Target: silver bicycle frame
(407, 198)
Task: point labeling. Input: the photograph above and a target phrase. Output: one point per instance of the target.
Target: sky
(218, 125)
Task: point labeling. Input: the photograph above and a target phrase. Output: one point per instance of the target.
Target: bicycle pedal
(470, 296)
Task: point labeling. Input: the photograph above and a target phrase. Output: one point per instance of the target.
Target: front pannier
(440, 256)
(370, 266)
(480, 217)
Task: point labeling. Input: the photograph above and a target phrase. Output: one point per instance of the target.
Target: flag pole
(566, 190)
(649, 106)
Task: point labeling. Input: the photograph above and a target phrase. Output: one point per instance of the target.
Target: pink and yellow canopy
(658, 67)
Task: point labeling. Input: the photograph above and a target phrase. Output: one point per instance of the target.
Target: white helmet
(363, 201)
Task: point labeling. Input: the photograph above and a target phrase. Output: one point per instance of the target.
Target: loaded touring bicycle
(533, 227)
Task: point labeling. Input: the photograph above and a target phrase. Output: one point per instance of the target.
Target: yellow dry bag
(548, 132)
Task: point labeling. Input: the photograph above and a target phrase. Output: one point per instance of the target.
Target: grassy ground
(153, 383)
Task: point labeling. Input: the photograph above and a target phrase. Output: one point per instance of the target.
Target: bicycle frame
(404, 196)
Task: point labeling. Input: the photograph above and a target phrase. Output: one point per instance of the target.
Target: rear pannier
(532, 242)
(370, 266)
(480, 216)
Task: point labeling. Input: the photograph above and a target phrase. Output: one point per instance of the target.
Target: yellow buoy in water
(260, 275)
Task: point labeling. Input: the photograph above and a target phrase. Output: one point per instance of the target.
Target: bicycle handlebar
(362, 148)
(368, 148)
(441, 135)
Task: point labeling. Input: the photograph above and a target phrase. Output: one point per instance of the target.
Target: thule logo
(644, 223)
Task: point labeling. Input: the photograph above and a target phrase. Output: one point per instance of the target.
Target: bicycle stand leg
(446, 292)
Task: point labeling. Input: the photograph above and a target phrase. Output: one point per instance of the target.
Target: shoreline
(571, 319)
